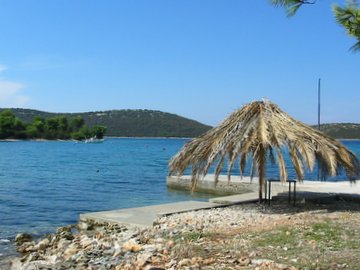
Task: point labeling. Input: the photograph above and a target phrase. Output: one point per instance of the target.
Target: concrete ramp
(143, 217)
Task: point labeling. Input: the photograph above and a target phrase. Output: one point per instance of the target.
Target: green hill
(129, 123)
(342, 130)
(149, 123)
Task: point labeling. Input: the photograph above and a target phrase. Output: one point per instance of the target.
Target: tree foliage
(341, 130)
(53, 128)
(10, 126)
(347, 16)
(291, 6)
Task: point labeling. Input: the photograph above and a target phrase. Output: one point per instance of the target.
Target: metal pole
(319, 92)
(319, 103)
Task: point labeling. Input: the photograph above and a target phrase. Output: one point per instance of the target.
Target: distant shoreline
(121, 137)
(106, 137)
(36, 140)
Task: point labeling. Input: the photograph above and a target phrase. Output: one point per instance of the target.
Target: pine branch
(349, 18)
(291, 6)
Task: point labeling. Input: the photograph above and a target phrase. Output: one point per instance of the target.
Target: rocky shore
(192, 240)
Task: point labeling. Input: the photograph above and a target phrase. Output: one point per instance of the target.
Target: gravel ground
(204, 239)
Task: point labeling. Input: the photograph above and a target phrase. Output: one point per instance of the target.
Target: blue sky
(201, 59)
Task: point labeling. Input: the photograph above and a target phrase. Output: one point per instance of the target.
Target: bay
(44, 185)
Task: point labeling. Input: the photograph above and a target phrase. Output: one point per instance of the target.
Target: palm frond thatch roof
(262, 130)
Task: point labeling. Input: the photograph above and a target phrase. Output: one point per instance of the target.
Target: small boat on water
(94, 140)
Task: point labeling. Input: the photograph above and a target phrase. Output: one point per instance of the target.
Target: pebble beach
(166, 244)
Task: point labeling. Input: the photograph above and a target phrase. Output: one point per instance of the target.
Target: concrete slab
(143, 217)
(240, 185)
(303, 189)
(346, 187)
(237, 185)
(308, 188)
(235, 199)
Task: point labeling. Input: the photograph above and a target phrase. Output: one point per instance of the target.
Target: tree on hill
(57, 127)
(347, 16)
(37, 128)
(76, 123)
(11, 126)
(98, 131)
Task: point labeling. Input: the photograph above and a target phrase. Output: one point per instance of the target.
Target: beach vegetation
(53, 128)
(191, 236)
(186, 244)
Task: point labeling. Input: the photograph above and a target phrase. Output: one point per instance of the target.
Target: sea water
(44, 185)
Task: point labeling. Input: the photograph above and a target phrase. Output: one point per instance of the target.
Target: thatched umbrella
(261, 130)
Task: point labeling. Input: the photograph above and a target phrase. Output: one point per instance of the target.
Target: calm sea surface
(44, 185)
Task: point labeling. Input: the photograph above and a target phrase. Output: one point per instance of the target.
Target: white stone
(143, 258)
(43, 244)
